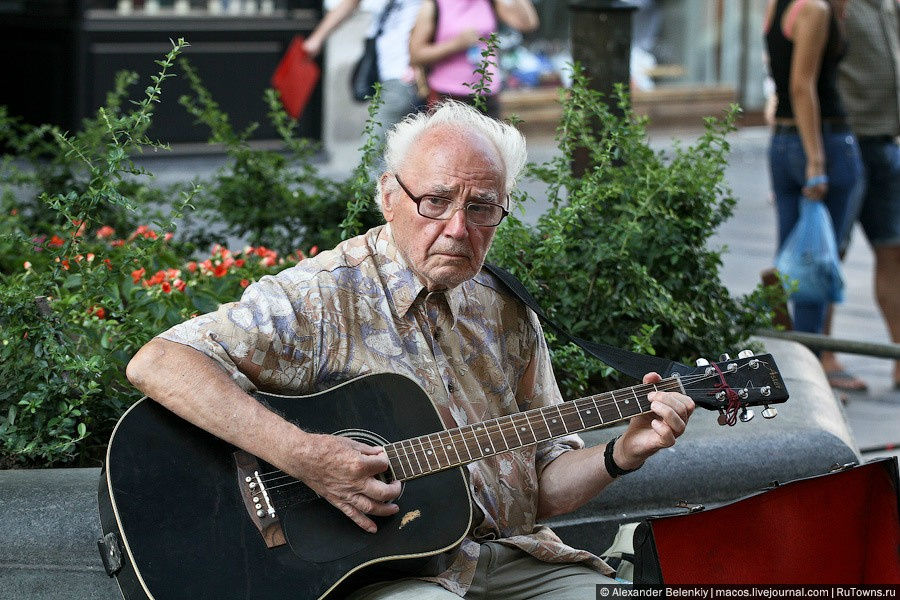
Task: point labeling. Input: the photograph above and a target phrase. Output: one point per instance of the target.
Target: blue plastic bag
(809, 256)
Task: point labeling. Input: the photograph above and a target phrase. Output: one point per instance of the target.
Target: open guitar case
(838, 528)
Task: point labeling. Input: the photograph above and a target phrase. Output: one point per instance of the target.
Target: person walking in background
(398, 89)
(869, 80)
(445, 41)
(813, 154)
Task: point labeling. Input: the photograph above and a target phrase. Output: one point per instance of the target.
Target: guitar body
(171, 495)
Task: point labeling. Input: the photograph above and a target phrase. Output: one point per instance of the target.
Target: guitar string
(456, 438)
(566, 410)
(569, 408)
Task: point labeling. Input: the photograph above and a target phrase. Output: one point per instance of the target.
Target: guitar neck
(450, 448)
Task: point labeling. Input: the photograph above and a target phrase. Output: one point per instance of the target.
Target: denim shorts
(879, 214)
(787, 164)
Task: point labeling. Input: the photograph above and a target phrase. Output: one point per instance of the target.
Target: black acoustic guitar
(186, 515)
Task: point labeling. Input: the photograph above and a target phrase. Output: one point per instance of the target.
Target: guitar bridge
(256, 499)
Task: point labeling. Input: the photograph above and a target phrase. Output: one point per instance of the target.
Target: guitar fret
(433, 452)
(616, 404)
(408, 469)
(577, 413)
(610, 409)
(524, 429)
(515, 429)
(469, 437)
(445, 444)
(456, 442)
(425, 454)
(590, 415)
(631, 408)
(483, 448)
(542, 421)
(557, 424)
(396, 462)
(417, 468)
(496, 435)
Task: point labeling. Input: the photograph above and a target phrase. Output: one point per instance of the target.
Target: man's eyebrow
(443, 190)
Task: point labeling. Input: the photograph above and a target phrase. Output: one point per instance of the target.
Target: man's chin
(447, 277)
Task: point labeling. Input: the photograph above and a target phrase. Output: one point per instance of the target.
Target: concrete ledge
(48, 542)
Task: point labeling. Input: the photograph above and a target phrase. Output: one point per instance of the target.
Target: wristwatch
(612, 468)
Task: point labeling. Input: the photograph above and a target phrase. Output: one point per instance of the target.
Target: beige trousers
(503, 573)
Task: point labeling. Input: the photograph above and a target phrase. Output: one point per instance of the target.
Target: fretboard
(442, 450)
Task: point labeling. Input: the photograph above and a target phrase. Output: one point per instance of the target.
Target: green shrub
(630, 234)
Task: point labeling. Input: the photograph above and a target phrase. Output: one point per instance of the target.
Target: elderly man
(409, 297)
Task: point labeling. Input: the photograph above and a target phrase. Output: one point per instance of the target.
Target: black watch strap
(612, 468)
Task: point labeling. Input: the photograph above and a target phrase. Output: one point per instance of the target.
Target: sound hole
(318, 532)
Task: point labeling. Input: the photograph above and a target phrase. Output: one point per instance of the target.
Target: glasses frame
(418, 200)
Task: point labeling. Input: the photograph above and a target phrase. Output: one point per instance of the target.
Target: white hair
(508, 141)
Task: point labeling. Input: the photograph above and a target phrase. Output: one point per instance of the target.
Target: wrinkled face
(459, 165)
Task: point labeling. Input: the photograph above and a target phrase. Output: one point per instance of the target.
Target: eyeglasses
(482, 214)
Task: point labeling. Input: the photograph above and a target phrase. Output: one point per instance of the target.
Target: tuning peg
(724, 356)
(722, 419)
(745, 353)
(746, 414)
(702, 362)
(769, 412)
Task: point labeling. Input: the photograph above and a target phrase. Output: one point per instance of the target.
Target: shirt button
(451, 388)
(437, 334)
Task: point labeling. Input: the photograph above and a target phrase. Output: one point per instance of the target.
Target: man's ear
(387, 207)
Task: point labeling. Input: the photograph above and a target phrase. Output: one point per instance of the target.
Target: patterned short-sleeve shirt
(478, 353)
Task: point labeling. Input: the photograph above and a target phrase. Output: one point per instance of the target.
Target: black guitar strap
(627, 362)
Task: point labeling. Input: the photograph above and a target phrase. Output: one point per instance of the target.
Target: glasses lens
(483, 214)
(435, 207)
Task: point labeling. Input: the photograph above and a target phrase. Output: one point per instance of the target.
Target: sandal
(844, 381)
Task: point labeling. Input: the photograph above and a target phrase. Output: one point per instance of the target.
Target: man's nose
(456, 226)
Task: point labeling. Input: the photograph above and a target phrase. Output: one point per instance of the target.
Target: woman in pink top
(446, 30)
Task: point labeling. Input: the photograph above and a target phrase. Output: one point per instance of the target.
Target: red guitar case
(838, 528)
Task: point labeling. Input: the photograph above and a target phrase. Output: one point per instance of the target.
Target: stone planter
(48, 542)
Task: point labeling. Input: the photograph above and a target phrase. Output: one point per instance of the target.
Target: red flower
(97, 311)
(105, 232)
(143, 231)
(14, 212)
(220, 271)
(314, 250)
(117, 243)
(245, 283)
(136, 275)
(27, 265)
(168, 236)
(65, 265)
(179, 285)
(108, 263)
(192, 266)
(239, 263)
(56, 241)
(166, 287)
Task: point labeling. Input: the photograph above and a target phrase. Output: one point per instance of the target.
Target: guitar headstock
(731, 386)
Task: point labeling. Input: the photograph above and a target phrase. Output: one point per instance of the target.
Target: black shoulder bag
(365, 72)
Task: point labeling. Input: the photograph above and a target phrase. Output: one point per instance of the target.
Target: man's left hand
(653, 431)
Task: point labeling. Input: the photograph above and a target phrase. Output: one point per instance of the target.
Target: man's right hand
(343, 471)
